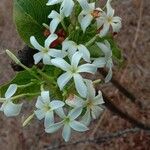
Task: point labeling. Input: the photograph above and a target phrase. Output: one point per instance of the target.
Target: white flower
(72, 47)
(46, 52)
(56, 19)
(88, 13)
(107, 19)
(68, 123)
(73, 71)
(106, 60)
(8, 107)
(66, 6)
(92, 104)
(45, 108)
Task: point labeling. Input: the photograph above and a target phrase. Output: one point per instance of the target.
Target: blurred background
(111, 131)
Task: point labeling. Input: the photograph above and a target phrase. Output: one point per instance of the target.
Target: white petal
(39, 103)
(116, 27)
(86, 119)
(86, 21)
(100, 62)
(50, 39)
(77, 126)
(49, 119)
(65, 9)
(54, 14)
(100, 21)
(57, 53)
(107, 45)
(37, 57)
(40, 114)
(110, 10)
(98, 100)
(104, 48)
(35, 44)
(54, 24)
(85, 52)
(75, 113)
(89, 68)
(76, 59)
(96, 111)
(60, 112)
(105, 29)
(69, 45)
(53, 2)
(46, 59)
(53, 128)
(56, 104)
(90, 89)
(75, 102)
(63, 80)
(109, 76)
(80, 85)
(11, 91)
(60, 63)
(12, 109)
(66, 134)
(117, 19)
(84, 4)
(45, 96)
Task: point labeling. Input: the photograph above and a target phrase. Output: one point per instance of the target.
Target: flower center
(47, 107)
(89, 104)
(73, 69)
(109, 19)
(67, 120)
(45, 50)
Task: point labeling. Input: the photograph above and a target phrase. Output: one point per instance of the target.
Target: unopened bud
(28, 120)
(13, 57)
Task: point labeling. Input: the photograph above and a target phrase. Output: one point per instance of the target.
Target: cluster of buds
(68, 39)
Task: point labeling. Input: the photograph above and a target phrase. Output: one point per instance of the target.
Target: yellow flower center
(89, 104)
(45, 50)
(73, 69)
(109, 19)
(46, 107)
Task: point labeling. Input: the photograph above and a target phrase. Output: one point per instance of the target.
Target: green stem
(23, 95)
(46, 77)
(30, 71)
(17, 61)
(26, 85)
(46, 26)
(63, 25)
(92, 40)
(51, 83)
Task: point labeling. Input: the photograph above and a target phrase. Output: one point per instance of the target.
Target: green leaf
(96, 52)
(22, 78)
(117, 53)
(29, 15)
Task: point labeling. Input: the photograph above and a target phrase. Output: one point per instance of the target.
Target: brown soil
(134, 40)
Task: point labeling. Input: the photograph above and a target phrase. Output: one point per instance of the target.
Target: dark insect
(26, 57)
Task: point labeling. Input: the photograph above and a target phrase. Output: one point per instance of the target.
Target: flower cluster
(84, 25)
